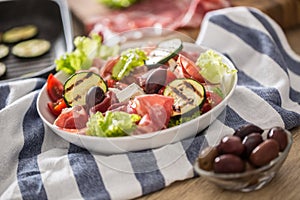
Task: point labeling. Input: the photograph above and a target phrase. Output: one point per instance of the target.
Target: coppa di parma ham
(170, 14)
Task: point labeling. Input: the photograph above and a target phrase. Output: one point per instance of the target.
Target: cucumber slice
(2, 69)
(188, 94)
(164, 51)
(77, 86)
(31, 48)
(19, 33)
(4, 51)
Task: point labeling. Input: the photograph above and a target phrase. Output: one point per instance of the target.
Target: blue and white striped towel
(37, 164)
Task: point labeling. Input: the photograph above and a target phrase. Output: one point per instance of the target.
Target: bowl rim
(282, 156)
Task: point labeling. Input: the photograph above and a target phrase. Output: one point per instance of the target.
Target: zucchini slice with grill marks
(164, 51)
(77, 86)
(189, 96)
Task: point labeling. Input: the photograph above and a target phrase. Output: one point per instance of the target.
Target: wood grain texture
(293, 37)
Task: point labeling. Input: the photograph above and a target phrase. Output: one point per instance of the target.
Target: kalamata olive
(94, 96)
(109, 100)
(264, 153)
(155, 81)
(206, 158)
(278, 134)
(231, 145)
(250, 142)
(245, 130)
(229, 163)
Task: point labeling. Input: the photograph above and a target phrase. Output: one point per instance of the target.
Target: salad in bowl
(110, 99)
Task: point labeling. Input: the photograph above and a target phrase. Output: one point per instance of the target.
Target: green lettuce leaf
(113, 124)
(129, 59)
(86, 49)
(117, 3)
(212, 67)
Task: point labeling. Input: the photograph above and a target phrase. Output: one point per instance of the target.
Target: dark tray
(52, 18)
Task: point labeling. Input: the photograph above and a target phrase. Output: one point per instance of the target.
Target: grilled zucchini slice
(19, 33)
(165, 51)
(31, 48)
(189, 96)
(77, 86)
(4, 51)
(2, 69)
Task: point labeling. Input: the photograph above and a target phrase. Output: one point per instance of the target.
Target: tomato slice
(111, 83)
(213, 98)
(206, 107)
(170, 77)
(54, 88)
(189, 69)
(56, 107)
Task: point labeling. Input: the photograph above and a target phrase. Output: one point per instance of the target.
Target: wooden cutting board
(285, 12)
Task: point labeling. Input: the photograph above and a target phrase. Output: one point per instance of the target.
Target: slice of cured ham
(170, 14)
(155, 111)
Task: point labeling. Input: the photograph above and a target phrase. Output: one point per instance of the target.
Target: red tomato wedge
(110, 83)
(189, 69)
(213, 98)
(56, 107)
(170, 77)
(54, 88)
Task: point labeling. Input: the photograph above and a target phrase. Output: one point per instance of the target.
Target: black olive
(94, 96)
(155, 81)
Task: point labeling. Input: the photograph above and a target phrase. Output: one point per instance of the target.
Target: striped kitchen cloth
(35, 163)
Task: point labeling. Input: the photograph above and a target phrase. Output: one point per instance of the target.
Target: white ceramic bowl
(147, 141)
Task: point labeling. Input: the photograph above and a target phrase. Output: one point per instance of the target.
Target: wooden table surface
(285, 185)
